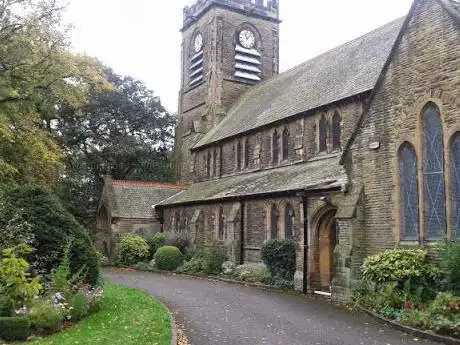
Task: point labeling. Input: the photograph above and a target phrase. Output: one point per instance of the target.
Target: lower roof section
(319, 174)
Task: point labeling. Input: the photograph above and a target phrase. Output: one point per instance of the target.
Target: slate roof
(345, 71)
(453, 6)
(319, 174)
(130, 199)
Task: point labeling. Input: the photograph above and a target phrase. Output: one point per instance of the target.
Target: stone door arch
(324, 240)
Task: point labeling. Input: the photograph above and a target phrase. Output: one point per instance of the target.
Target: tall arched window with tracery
(220, 224)
(408, 193)
(239, 154)
(455, 185)
(285, 142)
(274, 222)
(336, 132)
(289, 222)
(276, 147)
(434, 191)
(247, 153)
(323, 132)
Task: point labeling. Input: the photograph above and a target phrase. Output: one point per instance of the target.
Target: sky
(141, 38)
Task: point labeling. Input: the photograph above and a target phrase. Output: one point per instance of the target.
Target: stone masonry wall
(425, 67)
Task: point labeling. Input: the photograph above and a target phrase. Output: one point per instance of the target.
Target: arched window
(433, 174)
(408, 193)
(289, 222)
(274, 220)
(239, 153)
(286, 135)
(247, 153)
(336, 132)
(215, 161)
(177, 221)
(323, 131)
(276, 147)
(220, 224)
(455, 182)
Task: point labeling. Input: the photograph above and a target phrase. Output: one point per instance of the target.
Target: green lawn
(127, 317)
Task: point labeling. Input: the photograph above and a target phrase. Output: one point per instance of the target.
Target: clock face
(247, 39)
(198, 44)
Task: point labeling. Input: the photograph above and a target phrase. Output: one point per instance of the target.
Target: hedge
(14, 328)
(168, 258)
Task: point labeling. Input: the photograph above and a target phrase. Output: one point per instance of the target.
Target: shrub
(14, 328)
(228, 269)
(50, 225)
(178, 240)
(279, 256)
(281, 283)
(212, 260)
(168, 258)
(254, 273)
(399, 265)
(60, 276)
(450, 265)
(79, 307)
(445, 304)
(16, 287)
(156, 242)
(45, 318)
(133, 249)
(195, 265)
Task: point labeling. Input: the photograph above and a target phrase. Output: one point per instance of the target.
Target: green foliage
(399, 265)
(450, 265)
(15, 285)
(133, 249)
(212, 260)
(60, 276)
(391, 313)
(168, 258)
(156, 242)
(445, 304)
(37, 67)
(254, 273)
(45, 318)
(178, 240)
(130, 134)
(14, 328)
(80, 307)
(281, 283)
(279, 256)
(51, 225)
(415, 318)
(194, 265)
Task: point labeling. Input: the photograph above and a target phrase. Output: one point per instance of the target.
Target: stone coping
(414, 331)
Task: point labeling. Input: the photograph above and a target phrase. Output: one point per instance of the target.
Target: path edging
(414, 331)
(173, 328)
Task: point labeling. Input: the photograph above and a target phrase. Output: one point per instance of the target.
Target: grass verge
(127, 317)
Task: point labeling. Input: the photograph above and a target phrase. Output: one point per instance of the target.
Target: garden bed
(127, 317)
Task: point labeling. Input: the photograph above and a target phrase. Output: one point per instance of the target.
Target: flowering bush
(133, 249)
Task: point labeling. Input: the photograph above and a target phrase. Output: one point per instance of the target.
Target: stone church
(349, 153)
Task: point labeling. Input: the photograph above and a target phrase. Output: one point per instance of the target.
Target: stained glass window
(455, 181)
(433, 174)
(336, 132)
(289, 221)
(323, 130)
(408, 190)
(286, 143)
(274, 217)
(276, 147)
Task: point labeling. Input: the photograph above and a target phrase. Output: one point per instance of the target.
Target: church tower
(227, 47)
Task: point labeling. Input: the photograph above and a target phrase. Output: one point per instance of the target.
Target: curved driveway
(217, 313)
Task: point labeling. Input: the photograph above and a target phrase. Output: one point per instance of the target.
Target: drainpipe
(305, 242)
(242, 233)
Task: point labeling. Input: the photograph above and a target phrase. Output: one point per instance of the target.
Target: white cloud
(141, 37)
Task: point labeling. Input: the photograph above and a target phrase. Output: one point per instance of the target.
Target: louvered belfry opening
(247, 64)
(196, 68)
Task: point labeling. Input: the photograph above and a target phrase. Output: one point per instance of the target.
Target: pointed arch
(220, 223)
(434, 191)
(455, 184)
(336, 132)
(323, 129)
(274, 222)
(289, 217)
(408, 193)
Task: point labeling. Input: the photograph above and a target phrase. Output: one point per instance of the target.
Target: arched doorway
(324, 242)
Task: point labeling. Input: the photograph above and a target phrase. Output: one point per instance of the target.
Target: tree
(124, 132)
(37, 74)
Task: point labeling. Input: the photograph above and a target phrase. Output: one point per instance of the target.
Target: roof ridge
(147, 184)
(207, 138)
